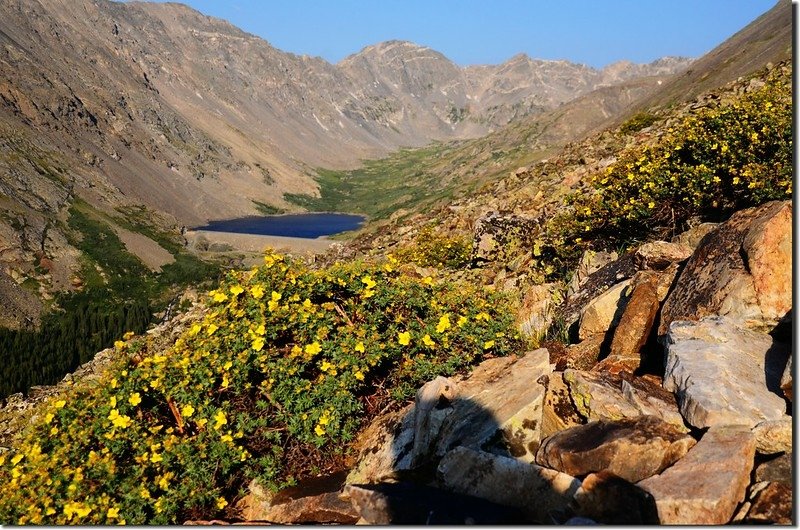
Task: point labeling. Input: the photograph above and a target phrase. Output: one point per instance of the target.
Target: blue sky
(593, 32)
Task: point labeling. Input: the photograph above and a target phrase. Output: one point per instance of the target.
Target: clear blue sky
(593, 32)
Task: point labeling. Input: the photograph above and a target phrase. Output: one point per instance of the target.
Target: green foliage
(268, 209)
(430, 249)
(714, 162)
(637, 122)
(273, 382)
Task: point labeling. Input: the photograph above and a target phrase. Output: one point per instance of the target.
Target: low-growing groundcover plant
(709, 165)
(273, 382)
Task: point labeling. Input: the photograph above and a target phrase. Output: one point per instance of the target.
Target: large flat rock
(706, 485)
(632, 449)
(723, 374)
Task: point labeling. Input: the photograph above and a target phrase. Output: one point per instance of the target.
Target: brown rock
(559, 412)
(431, 407)
(589, 263)
(705, 486)
(536, 313)
(617, 364)
(603, 313)
(632, 449)
(694, 235)
(637, 321)
(658, 255)
(606, 498)
(771, 505)
(323, 508)
(384, 447)
(779, 469)
(741, 269)
(538, 492)
(774, 436)
(584, 355)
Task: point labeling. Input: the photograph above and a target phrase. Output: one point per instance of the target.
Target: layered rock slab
(722, 373)
(706, 485)
(632, 449)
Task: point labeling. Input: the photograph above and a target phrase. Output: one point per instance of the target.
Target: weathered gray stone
(632, 449)
(603, 312)
(774, 436)
(607, 396)
(384, 448)
(722, 373)
(431, 408)
(779, 469)
(538, 492)
(705, 486)
(742, 269)
(606, 498)
(658, 255)
(502, 400)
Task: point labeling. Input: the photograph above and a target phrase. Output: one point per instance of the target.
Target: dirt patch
(153, 255)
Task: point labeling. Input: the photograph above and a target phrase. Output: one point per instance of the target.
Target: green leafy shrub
(275, 380)
(637, 122)
(713, 163)
(430, 249)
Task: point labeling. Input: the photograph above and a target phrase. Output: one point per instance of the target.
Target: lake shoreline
(258, 243)
(310, 225)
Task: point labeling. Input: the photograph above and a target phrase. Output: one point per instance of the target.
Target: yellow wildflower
(360, 347)
(156, 457)
(135, 399)
(195, 329)
(48, 417)
(118, 344)
(211, 329)
(319, 430)
(219, 296)
(219, 420)
(236, 290)
(313, 348)
(187, 411)
(257, 291)
(488, 344)
(404, 338)
(443, 325)
(113, 401)
(359, 375)
(428, 341)
(258, 344)
(221, 503)
(112, 513)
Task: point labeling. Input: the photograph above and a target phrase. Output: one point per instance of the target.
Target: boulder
(741, 269)
(632, 449)
(694, 235)
(606, 498)
(325, 508)
(407, 503)
(590, 262)
(722, 373)
(542, 494)
(774, 436)
(497, 235)
(637, 321)
(431, 408)
(607, 396)
(659, 255)
(584, 355)
(779, 469)
(706, 485)
(384, 448)
(499, 407)
(769, 503)
(559, 412)
(536, 313)
(603, 313)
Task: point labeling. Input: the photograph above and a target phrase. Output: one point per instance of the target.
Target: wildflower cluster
(716, 161)
(430, 249)
(284, 362)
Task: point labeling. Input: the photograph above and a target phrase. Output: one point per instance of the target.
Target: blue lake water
(307, 225)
